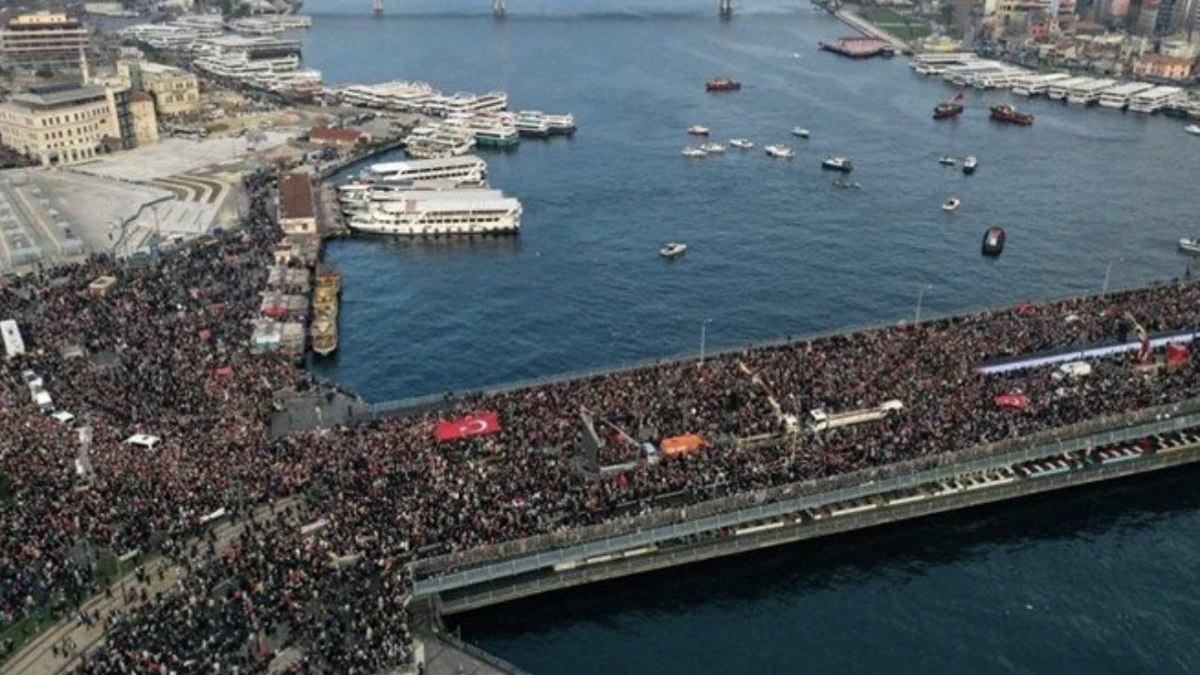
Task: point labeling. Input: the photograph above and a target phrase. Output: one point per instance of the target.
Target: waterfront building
(1163, 67)
(175, 91)
(42, 40)
(60, 124)
(297, 208)
(342, 138)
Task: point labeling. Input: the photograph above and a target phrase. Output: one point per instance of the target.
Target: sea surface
(1088, 581)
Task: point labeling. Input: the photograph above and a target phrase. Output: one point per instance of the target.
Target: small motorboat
(951, 205)
(693, 153)
(842, 164)
(713, 148)
(993, 242)
(697, 130)
(672, 250)
(1192, 129)
(780, 151)
(969, 164)
(847, 184)
(947, 161)
(800, 132)
(741, 143)
(1190, 245)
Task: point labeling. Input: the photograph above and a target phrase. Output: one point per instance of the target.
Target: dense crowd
(322, 582)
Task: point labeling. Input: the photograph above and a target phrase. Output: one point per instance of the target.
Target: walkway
(85, 628)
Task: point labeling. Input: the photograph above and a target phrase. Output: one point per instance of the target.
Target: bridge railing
(500, 560)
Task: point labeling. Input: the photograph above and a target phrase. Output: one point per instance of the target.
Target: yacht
(697, 130)
(800, 132)
(969, 164)
(780, 151)
(427, 213)
(694, 153)
(713, 148)
(741, 143)
(947, 161)
(1192, 129)
(672, 250)
(838, 164)
(532, 123)
(951, 205)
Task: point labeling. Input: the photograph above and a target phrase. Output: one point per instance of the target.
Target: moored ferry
(465, 169)
(532, 123)
(451, 138)
(459, 212)
(490, 130)
(561, 125)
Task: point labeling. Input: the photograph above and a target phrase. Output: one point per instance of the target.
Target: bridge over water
(500, 8)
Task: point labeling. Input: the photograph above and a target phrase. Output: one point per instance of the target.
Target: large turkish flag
(472, 425)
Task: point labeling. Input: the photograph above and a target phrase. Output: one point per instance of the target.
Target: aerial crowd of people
(319, 581)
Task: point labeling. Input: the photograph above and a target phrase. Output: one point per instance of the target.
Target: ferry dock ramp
(1087, 453)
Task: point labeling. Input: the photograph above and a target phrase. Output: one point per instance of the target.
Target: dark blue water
(1099, 581)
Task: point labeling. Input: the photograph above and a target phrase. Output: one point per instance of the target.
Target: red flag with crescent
(480, 424)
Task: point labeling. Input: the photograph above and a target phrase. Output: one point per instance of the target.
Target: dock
(1087, 453)
(857, 47)
(324, 330)
(870, 30)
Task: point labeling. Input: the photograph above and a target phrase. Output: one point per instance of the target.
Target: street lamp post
(1108, 274)
(921, 297)
(703, 335)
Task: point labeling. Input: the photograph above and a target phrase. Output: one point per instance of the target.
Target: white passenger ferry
(465, 169)
(1058, 90)
(532, 123)
(1153, 100)
(1119, 96)
(491, 130)
(1087, 93)
(457, 212)
(451, 138)
(1036, 85)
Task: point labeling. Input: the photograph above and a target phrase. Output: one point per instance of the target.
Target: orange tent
(678, 445)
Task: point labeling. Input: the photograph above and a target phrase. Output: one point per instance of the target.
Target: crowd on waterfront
(165, 352)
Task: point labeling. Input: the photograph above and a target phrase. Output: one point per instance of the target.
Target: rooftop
(53, 95)
(296, 196)
(330, 134)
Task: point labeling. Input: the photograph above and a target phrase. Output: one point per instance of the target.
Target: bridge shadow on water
(899, 552)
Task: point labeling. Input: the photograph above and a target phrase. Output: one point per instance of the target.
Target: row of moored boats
(460, 134)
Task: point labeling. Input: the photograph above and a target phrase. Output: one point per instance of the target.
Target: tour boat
(969, 164)
(697, 130)
(951, 205)
(693, 152)
(780, 151)
(949, 109)
(672, 250)
(713, 148)
(741, 143)
(993, 242)
(1190, 245)
(1009, 114)
(800, 132)
(838, 164)
(1192, 129)
(947, 161)
(722, 84)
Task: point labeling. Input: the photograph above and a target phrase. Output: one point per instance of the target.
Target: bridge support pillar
(499, 8)
(725, 9)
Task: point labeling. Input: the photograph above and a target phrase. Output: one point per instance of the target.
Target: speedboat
(1190, 245)
(947, 161)
(713, 148)
(697, 130)
(800, 132)
(741, 143)
(969, 164)
(838, 164)
(693, 152)
(1192, 129)
(993, 242)
(780, 151)
(951, 205)
(672, 250)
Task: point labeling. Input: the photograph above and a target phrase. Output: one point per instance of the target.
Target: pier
(1101, 450)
